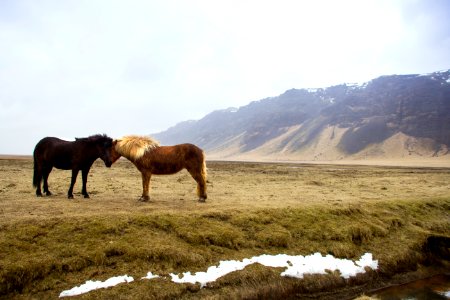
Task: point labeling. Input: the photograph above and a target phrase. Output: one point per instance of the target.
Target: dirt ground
(231, 185)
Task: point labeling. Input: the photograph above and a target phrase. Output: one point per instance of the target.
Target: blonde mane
(134, 147)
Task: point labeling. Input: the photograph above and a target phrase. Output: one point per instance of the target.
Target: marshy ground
(51, 244)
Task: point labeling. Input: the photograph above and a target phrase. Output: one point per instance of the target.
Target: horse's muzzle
(108, 164)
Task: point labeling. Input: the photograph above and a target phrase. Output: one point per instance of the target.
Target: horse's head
(114, 155)
(104, 146)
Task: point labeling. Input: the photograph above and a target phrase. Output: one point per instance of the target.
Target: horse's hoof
(48, 193)
(86, 196)
(202, 200)
(144, 199)
(70, 197)
(38, 194)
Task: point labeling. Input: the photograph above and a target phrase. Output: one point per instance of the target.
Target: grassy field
(51, 244)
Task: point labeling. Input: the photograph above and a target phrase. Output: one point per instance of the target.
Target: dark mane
(97, 138)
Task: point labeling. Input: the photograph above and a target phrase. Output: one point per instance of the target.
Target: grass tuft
(273, 235)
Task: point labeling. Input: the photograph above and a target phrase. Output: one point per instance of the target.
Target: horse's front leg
(72, 183)
(145, 186)
(84, 175)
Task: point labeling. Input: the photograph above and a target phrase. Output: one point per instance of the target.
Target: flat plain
(51, 244)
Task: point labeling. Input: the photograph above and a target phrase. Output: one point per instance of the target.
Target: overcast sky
(76, 68)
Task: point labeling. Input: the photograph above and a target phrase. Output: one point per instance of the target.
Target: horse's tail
(201, 188)
(204, 171)
(36, 173)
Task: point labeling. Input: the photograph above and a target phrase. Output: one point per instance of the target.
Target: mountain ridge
(339, 122)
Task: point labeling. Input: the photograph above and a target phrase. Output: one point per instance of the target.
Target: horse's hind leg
(38, 186)
(201, 190)
(46, 173)
(200, 177)
(38, 190)
(37, 176)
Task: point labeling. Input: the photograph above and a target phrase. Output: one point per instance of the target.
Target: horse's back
(184, 152)
(55, 151)
(192, 151)
(172, 159)
(49, 144)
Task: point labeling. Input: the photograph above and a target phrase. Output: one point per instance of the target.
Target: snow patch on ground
(150, 276)
(94, 285)
(296, 266)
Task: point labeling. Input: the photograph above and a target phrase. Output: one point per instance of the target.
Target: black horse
(78, 155)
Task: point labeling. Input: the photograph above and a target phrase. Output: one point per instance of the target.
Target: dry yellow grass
(50, 244)
(240, 186)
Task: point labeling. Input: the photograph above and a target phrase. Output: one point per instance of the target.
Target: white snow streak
(296, 266)
(150, 276)
(94, 285)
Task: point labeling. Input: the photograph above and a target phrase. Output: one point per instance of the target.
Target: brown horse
(151, 158)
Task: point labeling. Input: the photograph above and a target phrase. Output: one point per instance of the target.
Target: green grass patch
(47, 256)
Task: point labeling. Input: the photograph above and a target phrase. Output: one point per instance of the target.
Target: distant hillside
(394, 116)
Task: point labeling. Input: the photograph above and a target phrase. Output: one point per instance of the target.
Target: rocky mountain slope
(394, 116)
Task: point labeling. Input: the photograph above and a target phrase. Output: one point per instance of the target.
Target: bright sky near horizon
(75, 68)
